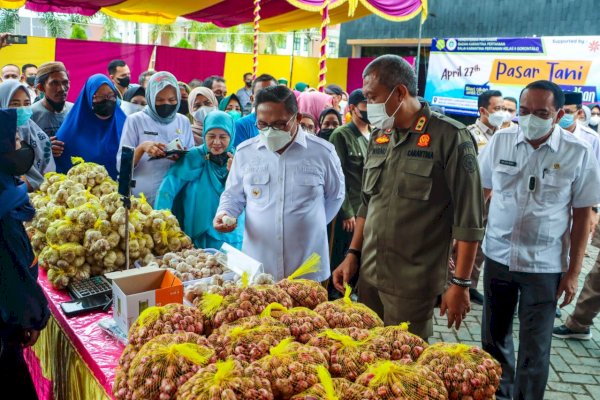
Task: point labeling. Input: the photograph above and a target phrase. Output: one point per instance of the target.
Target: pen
(544, 173)
(107, 306)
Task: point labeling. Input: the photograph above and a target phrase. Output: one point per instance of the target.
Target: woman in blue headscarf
(193, 186)
(150, 131)
(92, 129)
(23, 307)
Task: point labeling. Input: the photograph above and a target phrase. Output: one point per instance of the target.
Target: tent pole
(292, 58)
(418, 61)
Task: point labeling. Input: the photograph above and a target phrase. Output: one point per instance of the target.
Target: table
(73, 359)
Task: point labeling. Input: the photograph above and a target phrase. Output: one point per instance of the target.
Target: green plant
(55, 24)
(78, 32)
(110, 28)
(184, 44)
(9, 19)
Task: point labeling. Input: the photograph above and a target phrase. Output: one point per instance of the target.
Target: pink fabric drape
(188, 64)
(356, 66)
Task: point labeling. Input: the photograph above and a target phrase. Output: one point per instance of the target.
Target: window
(296, 44)
(306, 44)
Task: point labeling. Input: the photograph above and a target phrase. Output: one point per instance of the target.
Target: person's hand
(154, 149)
(3, 41)
(229, 161)
(57, 147)
(220, 226)
(344, 272)
(568, 285)
(457, 304)
(348, 224)
(30, 336)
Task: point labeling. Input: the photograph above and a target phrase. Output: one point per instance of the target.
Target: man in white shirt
(573, 110)
(544, 183)
(491, 116)
(290, 184)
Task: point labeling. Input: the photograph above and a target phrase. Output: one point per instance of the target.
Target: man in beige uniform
(421, 189)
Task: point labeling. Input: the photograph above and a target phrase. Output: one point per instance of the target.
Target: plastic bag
(468, 372)
(404, 345)
(171, 318)
(291, 368)
(343, 313)
(304, 292)
(304, 324)
(396, 380)
(225, 381)
(329, 388)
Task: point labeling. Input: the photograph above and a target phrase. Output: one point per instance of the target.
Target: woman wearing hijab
(329, 120)
(313, 103)
(201, 101)
(134, 99)
(92, 129)
(14, 94)
(193, 185)
(23, 307)
(231, 105)
(150, 131)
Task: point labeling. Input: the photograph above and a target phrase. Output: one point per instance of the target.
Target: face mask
(534, 127)
(124, 82)
(583, 123)
(17, 162)
(379, 117)
(343, 105)
(566, 121)
(275, 139)
(507, 117)
(248, 83)
(364, 117)
(595, 120)
(30, 80)
(235, 114)
(219, 159)
(23, 115)
(496, 119)
(325, 133)
(105, 108)
(202, 112)
(57, 107)
(184, 108)
(165, 110)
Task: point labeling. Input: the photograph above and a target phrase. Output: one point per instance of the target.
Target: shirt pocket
(414, 179)
(556, 188)
(256, 186)
(308, 187)
(505, 180)
(372, 173)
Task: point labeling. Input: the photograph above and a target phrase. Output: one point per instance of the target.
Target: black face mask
(165, 110)
(219, 159)
(17, 162)
(30, 80)
(364, 117)
(57, 107)
(248, 83)
(184, 108)
(325, 133)
(105, 108)
(124, 82)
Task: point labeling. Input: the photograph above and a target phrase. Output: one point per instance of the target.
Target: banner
(461, 69)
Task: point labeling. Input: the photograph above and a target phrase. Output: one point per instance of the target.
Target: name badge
(150, 133)
(509, 163)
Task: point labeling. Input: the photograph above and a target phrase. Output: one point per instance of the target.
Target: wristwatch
(355, 252)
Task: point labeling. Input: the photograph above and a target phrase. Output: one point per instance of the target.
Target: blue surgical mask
(235, 114)
(23, 115)
(566, 121)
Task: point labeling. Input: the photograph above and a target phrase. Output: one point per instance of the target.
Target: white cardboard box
(136, 289)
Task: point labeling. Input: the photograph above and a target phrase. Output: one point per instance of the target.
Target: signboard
(461, 69)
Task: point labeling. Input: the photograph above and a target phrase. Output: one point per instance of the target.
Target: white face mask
(275, 139)
(343, 105)
(378, 116)
(507, 117)
(595, 120)
(202, 112)
(496, 119)
(534, 127)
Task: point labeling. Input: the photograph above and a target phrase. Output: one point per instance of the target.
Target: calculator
(90, 286)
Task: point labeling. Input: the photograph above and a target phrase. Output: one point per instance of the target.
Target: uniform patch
(466, 146)
(255, 193)
(379, 150)
(420, 154)
(383, 139)
(424, 140)
(420, 124)
(469, 162)
(509, 163)
(556, 166)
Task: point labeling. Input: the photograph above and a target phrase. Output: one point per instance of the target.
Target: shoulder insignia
(424, 140)
(420, 124)
(383, 139)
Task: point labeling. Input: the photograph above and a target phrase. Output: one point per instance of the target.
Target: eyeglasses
(279, 125)
(110, 97)
(511, 111)
(308, 128)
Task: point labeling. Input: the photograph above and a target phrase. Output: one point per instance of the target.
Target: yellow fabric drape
(156, 12)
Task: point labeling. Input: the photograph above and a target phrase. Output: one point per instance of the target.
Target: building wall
(483, 18)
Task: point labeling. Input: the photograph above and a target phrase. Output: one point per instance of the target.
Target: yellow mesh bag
(391, 380)
(304, 292)
(468, 372)
(248, 339)
(225, 381)
(403, 344)
(304, 324)
(343, 313)
(291, 368)
(171, 318)
(329, 388)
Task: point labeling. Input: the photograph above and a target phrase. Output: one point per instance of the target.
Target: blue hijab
(158, 82)
(194, 185)
(87, 136)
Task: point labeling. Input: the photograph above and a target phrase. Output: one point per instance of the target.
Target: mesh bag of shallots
(344, 313)
(303, 323)
(468, 372)
(291, 367)
(225, 381)
(404, 345)
(392, 380)
(305, 292)
(329, 388)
